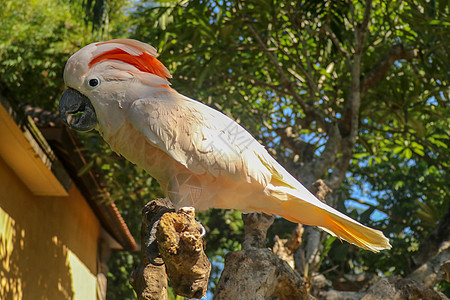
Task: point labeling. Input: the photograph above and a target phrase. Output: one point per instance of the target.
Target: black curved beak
(77, 111)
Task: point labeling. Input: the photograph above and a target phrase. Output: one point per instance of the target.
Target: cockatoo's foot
(151, 241)
(200, 226)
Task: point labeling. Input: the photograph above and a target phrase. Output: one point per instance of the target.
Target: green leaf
(439, 22)
(397, 150)
(407, 153)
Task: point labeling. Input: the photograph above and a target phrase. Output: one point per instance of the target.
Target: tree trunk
(255, 272)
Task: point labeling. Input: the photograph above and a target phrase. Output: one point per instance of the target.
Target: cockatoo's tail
(200, 157)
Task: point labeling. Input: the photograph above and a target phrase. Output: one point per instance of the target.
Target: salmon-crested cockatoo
(200, 157)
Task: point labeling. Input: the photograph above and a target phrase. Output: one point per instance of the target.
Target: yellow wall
(48, 245)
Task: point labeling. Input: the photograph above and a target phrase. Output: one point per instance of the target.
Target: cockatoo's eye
(93, 82)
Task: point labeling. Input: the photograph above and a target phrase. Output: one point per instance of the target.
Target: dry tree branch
(177, 238)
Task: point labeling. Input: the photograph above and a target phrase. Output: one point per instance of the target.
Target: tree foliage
(37, 38)
(33, 50)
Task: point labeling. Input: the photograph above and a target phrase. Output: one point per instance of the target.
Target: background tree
(352, 92)
(33, 50)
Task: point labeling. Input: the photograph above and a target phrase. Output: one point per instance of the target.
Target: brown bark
(255, 272)
(177, 239)
(255, 230)
(149, 282)
(431, 272)
(394, 288)
(401, 289)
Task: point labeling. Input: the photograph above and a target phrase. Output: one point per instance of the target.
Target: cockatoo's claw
(202, 229)
(191, 210)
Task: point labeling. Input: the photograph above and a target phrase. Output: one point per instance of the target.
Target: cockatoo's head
(105, 76)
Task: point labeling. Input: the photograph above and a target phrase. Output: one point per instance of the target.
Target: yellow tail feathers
(357, 234)
(304, 208)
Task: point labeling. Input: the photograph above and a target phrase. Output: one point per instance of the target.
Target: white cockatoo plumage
(199, 156)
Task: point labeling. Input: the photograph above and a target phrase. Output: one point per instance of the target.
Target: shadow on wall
(33, 265)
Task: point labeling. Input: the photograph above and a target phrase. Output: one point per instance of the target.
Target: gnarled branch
(256, 272)
(182, 249)
(177, 238)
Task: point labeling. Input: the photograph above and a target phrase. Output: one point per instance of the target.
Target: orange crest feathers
(142, 57)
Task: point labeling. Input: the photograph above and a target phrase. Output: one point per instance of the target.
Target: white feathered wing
(206, 141)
